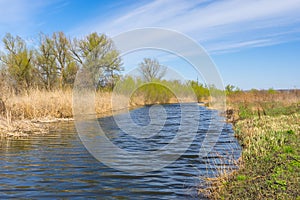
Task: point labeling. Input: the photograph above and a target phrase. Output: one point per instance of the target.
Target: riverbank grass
(270, 162)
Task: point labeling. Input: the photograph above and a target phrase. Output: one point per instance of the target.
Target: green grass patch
(241, 177)
(271, 161)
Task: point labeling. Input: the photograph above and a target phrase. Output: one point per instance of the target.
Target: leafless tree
(151, 70)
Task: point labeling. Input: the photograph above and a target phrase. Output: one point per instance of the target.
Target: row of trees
(54, 61)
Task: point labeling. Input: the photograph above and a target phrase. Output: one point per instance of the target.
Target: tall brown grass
(36, 104)
(41, 104)
(24, 111)
(286, 97)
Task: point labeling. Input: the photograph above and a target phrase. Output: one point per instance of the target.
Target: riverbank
(267, 127)
(33, 112)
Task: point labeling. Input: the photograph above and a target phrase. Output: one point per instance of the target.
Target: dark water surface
(57, 165)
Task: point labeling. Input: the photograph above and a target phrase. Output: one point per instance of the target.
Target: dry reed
(22, 112)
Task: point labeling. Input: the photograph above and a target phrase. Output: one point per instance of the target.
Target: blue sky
(254, 43)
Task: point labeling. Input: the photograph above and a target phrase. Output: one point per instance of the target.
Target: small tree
(151, 70)
(18, 61)
(66, 65)
(46, 62)
(97, 54)
(54, 61)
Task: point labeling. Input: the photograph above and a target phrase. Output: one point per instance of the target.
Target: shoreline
(270, 160)
(18, 128)
(26, 127)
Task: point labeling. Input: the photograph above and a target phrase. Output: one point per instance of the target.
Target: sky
(253, 43)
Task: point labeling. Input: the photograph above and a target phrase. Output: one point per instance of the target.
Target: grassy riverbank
(267, 126)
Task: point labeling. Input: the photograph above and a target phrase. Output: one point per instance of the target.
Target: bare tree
(151, 70)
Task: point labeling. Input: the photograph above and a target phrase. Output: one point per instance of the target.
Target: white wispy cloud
(237, 23)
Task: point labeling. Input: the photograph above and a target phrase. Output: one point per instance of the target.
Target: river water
(58, 166)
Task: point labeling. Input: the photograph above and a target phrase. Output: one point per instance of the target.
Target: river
(57, 165)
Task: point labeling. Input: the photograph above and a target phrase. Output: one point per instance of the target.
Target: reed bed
(32, 106)
(40, 104)
(257, 97)
(23, 112)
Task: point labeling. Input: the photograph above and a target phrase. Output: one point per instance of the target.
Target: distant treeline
(52, 62)
(162, 91)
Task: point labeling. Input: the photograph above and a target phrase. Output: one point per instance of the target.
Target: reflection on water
(58, 165)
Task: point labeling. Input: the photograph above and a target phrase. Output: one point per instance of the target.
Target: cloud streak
(237, 23)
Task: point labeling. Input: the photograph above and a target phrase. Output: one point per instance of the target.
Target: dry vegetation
(255, 102)
(46, 106)
(39, 104)
(20, 114)
(20, 129)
